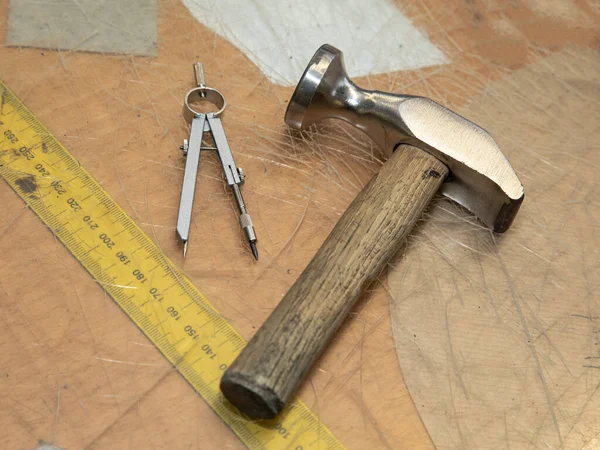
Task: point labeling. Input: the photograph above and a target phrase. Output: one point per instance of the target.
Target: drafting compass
(201, 123)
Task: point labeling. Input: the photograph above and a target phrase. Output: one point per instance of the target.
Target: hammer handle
(264, 376)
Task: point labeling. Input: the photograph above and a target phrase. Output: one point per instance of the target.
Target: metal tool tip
(185, 248)
(254, 250)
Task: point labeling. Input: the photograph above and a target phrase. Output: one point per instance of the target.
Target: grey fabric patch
(110, 26)
(45, 446)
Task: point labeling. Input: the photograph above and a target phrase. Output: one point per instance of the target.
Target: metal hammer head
(481, 178)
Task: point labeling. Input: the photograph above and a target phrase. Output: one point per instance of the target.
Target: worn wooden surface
(370, 232)
(502, 329)
(77, 373)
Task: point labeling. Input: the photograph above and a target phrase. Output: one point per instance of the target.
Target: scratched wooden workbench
(467, 341)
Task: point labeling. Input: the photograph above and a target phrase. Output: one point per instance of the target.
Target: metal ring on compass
(205, 93)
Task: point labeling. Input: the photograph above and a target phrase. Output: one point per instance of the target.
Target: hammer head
(481, 178)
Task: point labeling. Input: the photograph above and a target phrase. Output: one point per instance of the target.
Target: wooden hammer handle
(264, 376)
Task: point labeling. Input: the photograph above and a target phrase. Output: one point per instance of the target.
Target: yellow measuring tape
(166, 306)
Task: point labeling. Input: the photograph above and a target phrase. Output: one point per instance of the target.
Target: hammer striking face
(430, 148)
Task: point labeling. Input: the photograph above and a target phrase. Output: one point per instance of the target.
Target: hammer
(429, 149)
